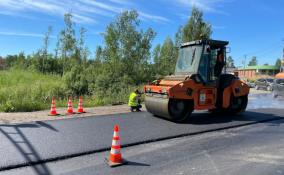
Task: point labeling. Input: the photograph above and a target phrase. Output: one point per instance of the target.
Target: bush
(24, 91)
(112, 90)
(75, 81)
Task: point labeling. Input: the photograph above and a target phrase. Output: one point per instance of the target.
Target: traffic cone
(70, 108)
(53, 108)
(80, 105)
(115, 158)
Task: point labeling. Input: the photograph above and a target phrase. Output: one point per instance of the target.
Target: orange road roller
(200, 82)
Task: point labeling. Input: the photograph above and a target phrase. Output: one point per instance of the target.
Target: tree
(253, 61)
(57, 48)
(278, 63)
(127, 48)
(196, 28)
(83, 50)
(67, 41)
(157, 58)
(11, 60)
(99, 54)
(178, 36)
(21, 60)
(167, 57)
(44, 50)
(230, 62)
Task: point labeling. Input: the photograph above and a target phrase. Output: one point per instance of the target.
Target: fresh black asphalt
(254, 149)
(22, 144)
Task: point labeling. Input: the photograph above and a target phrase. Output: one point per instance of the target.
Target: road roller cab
(200, 82)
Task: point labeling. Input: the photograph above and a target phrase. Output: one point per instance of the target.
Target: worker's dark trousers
(137, 108)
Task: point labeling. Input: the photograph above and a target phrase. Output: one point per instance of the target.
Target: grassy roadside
(25, 91)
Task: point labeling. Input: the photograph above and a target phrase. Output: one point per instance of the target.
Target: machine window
(203, 67)
(213, 61)
(187, 59)
(209, 61)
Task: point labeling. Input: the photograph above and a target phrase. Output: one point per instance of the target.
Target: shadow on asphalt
(136, 164)
(22, 144)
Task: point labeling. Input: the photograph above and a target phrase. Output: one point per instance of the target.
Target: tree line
(254, 62)
(125, 60)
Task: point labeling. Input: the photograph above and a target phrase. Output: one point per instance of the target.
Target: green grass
(28, 91)
(25, 91)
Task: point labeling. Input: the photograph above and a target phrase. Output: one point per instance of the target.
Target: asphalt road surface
(265, 100)
(253, 149)
(40, 142)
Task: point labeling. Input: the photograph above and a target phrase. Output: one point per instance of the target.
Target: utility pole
(244, 62)
(282, 61)
(283, 50)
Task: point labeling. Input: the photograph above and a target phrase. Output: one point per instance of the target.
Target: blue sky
(253, 27)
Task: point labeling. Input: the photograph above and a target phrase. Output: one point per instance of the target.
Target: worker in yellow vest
(134, 101)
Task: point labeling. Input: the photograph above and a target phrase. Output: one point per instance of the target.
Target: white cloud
(214, 6)
(82, 19)
(84, 11)
(102, 5)
(153, 17)
(50, 7)
(23, 34)
(116, 10)
(123, 2)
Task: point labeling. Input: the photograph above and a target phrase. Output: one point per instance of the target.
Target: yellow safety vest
(133, 99)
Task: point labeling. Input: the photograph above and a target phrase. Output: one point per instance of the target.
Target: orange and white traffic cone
(53, 108)
(80, 105)
(115, 158)
(70, 108)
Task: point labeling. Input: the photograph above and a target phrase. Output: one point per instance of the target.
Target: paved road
(254, 149)
(265, 100)
(22, 144)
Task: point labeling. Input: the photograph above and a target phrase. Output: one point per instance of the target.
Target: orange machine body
(279, 75)
(203, 96)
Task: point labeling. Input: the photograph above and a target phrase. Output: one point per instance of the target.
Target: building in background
(2, 63)
(258, 71)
